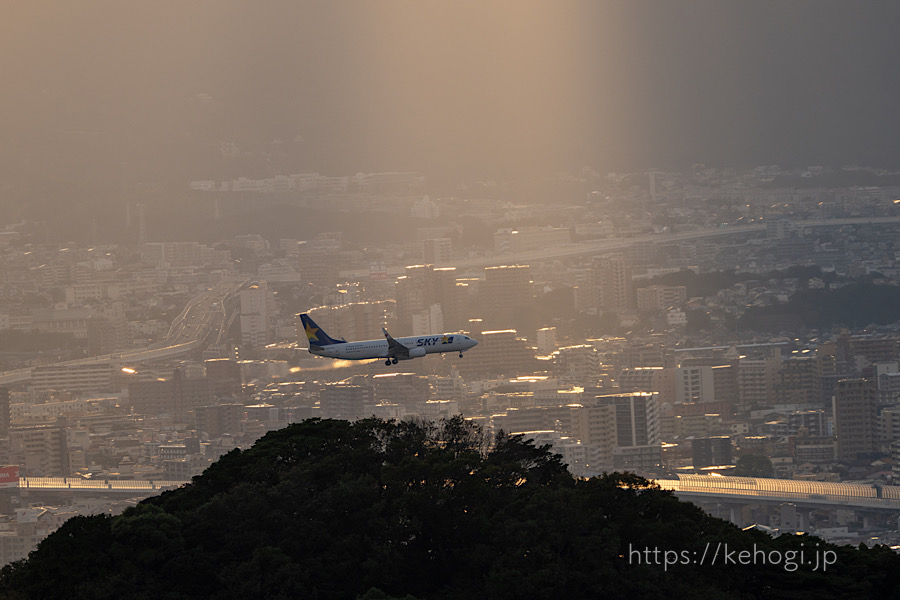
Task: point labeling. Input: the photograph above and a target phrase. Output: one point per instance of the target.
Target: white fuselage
(417, 345)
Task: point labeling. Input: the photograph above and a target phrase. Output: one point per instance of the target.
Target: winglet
(391, 341)
(395, 348)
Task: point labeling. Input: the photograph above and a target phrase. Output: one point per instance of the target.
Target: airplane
(393, 350)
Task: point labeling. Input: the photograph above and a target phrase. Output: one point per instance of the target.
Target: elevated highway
(96, 487)
(608, 245)
(806, 494)
(203, 315)
(748, 490)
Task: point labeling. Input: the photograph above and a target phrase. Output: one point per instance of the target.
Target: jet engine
(416, 352)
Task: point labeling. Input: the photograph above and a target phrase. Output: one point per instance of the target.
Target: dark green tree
(754, 465)
(329, 509)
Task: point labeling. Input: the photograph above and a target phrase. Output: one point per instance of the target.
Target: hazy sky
(462, 88)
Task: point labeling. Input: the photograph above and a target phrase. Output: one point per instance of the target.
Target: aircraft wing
(395, 348)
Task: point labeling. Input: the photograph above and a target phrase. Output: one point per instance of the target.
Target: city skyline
(673, 229)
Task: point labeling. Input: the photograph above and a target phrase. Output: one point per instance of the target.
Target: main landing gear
(460, 354)
(390, 361)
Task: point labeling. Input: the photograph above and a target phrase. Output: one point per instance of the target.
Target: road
(203, 315)
(618, 244)
(811, 494)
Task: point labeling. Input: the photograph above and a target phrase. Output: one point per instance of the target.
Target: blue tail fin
(314, 333)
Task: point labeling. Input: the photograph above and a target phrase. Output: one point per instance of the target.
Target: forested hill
(329, 509)
(854, 305)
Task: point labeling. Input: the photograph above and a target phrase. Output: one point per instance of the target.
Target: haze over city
(482, 257)
(104, 89)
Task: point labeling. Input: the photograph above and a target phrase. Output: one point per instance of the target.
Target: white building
(425, 209)
(257, 307)
(546, 340)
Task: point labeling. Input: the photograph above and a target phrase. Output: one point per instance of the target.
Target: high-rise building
(705, 389)
(644, 355)
(41, 450)
(725, 383)
(224, 375)
(428, 298)
(346, 401)
(637, 417)
(649, 379)
(104, 335)
(178, 396)
(257, 308)
(873, 349)
(426, 208)
(888, 388)
(4, 412)
(504, 288)
(622, 431)
(178, 254)
(810, 422)
(660, 297)
(399, 388)
(711, 451)
(219, 419)
(579, 364)
(855, 418)
(72, 378)
(562, 419)
(317, 267)
(414, 294)
(611, 277)
(437, 251)
(546, 340)
(799, 381)
(756, 380)
(694, 384)
(428, 321)
(500, 353)
(888, 427)
(451, 298)
(895, 458)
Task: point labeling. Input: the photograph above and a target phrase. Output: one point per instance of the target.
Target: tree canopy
(854, 305)
(329, 509)
(754, 465)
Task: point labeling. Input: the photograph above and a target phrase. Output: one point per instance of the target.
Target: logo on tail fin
(314, 333)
